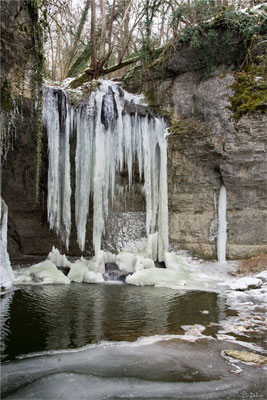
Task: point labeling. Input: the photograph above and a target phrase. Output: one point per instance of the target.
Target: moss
(13, 91)
(250, 90)
(80, 80)
(39, 24)
(6, 97)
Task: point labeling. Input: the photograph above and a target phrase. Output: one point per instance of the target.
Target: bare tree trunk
(93, 35)
(77, 37)
(103, 30)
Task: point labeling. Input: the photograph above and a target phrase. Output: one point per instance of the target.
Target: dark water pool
(55, 317)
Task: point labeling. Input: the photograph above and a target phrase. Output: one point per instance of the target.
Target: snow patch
(246, 283)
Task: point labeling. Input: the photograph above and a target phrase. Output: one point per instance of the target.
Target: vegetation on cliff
(22, 72)
(232, 40)
(250, 89)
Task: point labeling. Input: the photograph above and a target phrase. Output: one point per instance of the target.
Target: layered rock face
(207, 149)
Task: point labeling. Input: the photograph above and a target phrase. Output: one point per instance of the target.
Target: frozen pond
(115, 341)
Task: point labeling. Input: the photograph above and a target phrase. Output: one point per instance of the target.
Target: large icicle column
(108, 141)
(6, 273)
(222, 226)
(57, 119)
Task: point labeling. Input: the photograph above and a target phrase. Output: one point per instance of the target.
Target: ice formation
(58, 121)
(80, 272)
(222, 226)
(6, 273)
(58, 259)
(107, 141)
(154, 276)
(46, 272)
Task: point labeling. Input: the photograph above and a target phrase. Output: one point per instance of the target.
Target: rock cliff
(208, 148)
(28, 231)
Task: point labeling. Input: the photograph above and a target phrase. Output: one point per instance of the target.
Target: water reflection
(5, 303)
(61, 317)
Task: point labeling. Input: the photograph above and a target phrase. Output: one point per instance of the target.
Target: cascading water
(108, 139)
(222, 226)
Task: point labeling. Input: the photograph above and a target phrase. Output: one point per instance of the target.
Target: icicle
(56, 119)
(6, 273)
(84, 166)
(107, 141)
(222, 226)
(163, 193)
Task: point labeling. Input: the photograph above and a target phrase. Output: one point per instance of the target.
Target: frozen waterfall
(222, 226)
(6, 273)
(108, 140)
(58, 121)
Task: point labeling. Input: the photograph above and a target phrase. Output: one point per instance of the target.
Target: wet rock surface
(112, 273)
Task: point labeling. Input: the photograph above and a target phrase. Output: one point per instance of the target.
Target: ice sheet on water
(151, 368)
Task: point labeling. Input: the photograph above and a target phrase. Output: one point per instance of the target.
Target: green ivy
(212, 39)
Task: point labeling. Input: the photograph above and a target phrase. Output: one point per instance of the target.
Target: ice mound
(77, 272)
(172, 261)
(58, 259)
(83, 271)
(145, 273)
(90, 271)
(126, 261)
(92, 277)
(143, 263)
(154, 276)
(46, 272)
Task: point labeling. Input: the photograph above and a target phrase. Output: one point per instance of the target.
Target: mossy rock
(250, 90)
(6, 98)
(77, 82)
(246, 356)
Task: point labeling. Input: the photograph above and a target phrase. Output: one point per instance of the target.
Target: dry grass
(252, 265)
